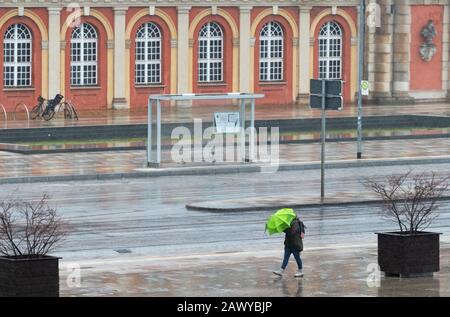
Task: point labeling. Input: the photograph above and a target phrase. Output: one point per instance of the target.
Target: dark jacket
(293, 238)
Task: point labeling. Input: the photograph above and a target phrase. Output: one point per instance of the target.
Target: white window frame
(210, 51)
(84, 42)
(271, 66)
(17, 55)
(330, 63)
(148, 62)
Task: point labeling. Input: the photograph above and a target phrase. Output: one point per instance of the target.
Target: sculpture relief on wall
(428, 48)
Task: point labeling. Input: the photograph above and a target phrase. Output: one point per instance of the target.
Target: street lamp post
(362, 16)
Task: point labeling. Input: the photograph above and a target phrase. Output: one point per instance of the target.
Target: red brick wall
(426, 75)
(94, 97)
(275, 92)
(139, 94)
(346, 57)
(226, 84)
(10, 97)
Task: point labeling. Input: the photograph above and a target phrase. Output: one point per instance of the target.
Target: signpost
(332, 94)
(365, 88)
(325, 95)
(361, 28)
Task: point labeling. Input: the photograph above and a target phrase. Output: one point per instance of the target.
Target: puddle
(167, 142)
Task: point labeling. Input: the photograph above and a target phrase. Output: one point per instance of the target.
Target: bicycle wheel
(35, 112)
(48, 115)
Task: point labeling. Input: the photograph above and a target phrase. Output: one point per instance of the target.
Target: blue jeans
(287, 255)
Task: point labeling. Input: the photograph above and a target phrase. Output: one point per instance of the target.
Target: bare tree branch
(29, 228)
(410, 200)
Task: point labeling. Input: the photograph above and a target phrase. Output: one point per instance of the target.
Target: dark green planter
(408, 255)
(25, 277)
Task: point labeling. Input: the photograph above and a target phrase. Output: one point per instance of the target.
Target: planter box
(37, 277)
(408, 255)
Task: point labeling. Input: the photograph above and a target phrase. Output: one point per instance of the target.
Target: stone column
(446, 50)
(119, 99)
(54, 71)
(303, 55)
(401, 52)
(380, 55)
(244, 49)
(183, 49)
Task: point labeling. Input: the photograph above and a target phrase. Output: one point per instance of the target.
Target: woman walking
(293, 244)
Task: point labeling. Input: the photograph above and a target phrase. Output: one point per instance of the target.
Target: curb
(270, 207)
(365, 202)
(233, 169)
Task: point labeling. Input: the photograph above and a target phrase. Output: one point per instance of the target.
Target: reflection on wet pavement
(174, 251)
(18, 165)
(328, 272)
(284, 137)
(205, 112)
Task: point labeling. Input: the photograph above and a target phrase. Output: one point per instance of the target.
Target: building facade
(104, 54)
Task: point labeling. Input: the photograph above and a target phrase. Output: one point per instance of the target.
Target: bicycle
(69, 110)
(39, 109)
(47, 109)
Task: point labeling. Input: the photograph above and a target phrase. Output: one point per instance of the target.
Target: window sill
(212, 84)
(18, 89)
(85, 87)
(150, 86)
(271, 83)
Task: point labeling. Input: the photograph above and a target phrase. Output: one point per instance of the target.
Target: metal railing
(71, 109)
(67, 108)
(24, 106)
(5, 114)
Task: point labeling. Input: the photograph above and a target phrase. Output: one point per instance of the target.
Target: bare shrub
(410, 200)
(29, 229)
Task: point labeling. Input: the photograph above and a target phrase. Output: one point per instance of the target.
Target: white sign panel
(364, 87)
(226, 122)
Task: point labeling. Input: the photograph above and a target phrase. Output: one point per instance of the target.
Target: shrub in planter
(411, 202)
(29, 231)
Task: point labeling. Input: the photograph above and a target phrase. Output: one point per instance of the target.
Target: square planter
(408, 255)
(25, 277)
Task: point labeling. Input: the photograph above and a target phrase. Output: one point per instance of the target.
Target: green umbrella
(280, 221)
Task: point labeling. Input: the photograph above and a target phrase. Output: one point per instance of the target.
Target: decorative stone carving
(428, 48)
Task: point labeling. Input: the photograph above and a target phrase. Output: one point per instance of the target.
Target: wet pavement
(136, 238)
(348, 271)
(205, 112)
(16, 165)
(293, 137)
(148, 216)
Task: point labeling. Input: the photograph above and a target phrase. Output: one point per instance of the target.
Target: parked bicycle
(47, 109)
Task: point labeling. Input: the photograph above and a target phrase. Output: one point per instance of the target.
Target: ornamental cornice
(141, 3)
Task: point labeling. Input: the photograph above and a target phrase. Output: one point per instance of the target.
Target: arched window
(210, 53)
(330, 51)
(83, 56)
(271, 52)
(148, 55)
(17, 56)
